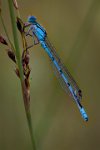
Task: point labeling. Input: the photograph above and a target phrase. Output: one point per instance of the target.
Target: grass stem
(20, 67)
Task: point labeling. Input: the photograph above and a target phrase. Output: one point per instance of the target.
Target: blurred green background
(74, 29)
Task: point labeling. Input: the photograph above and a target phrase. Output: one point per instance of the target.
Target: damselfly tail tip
(84, 115)
(86, 119)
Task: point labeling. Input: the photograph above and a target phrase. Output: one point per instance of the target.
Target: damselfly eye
(31, 19)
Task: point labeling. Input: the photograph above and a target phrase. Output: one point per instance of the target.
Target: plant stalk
(26, 97)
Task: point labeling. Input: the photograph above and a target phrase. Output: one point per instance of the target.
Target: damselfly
(68, 82)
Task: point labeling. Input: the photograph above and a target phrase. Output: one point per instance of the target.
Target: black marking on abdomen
(68, 84)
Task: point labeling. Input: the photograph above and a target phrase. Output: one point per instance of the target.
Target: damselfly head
(32, 19)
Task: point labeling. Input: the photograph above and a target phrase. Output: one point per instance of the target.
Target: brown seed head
(19, 24)
(17, 72)
(15, 4)
(11, 55)
(27, 59)
(3, 40)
